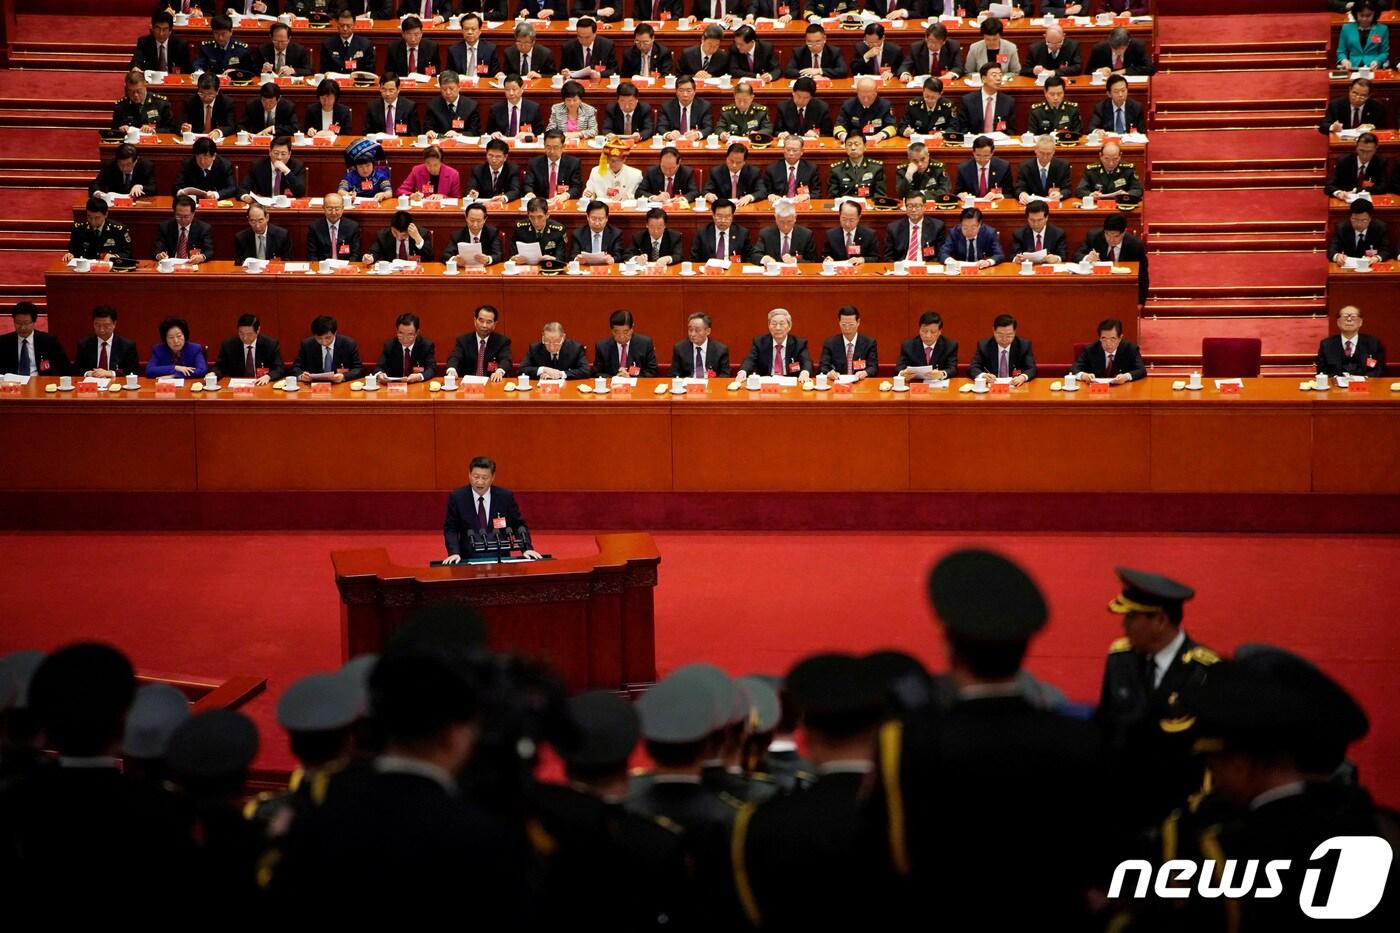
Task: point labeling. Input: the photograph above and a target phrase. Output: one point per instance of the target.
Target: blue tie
(24, 365)
(1118, 120)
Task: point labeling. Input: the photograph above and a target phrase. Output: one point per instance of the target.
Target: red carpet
(1228, 146)
(1224, 270)
(53, 84)
(1241, 207)
(49, 143)
(1181, 336)
(107, 21)
(40, 203)
(1302, 21)
(1242, 86)
(25, 267)
(266, 604)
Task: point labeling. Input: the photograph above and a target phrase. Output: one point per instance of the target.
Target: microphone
(522, 534)
(499, 546)
(475, 543)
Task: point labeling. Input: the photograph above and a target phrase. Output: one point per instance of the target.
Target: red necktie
(1003, 365)
(989, 116)
(723, 251)
(700, 370)
(481, 513)
(102, 355)
(481, 357)
(403, 248)
(407, 362)
(182, 248)
(656, 9)
(982, 181)
(389, 119)
(792, 181)
(786, 246)
(588, 57)
(928, 356)
(622, 359)
(670, 184)
(1117, 61)
(208, 118)
(412, 61)
(276, 181)
(250, 366)
(734, 187)
(685, 120)
(777, 359)
(553, 178)
(160, 58)
(514, 121)
(914, 238)
(1348, 352)
(1108, 365)
(331, 227)
(850, 358)
(1037, 242)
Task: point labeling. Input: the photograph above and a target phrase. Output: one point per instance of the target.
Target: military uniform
(859, 181)
(754, 787)
(153, 111)
(924, 120)
(875, 120)
(1046, 119)
(112, 239)
(217, 59)
(1122, 180)
(930, 181)
(738, 122)
(553, 240)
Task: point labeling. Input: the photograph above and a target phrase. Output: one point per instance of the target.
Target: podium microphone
(522, 534)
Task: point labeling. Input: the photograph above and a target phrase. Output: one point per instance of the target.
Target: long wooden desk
(1376, 293)
(1055, 311)
(1144, 437)
(325, 165)
(1006, 216)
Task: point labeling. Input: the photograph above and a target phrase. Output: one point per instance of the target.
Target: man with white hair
(867, 114)
(778, 352)
(784, 241)
(793, 177)
(1054, 54)
(1044, 176)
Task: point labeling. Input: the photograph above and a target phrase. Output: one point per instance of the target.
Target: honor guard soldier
(724, 770)
(141, 107)
(223, 52)
(1053, 114)
(931, 113)
(1110, 177)
(921, 175)
(539, 227)
(97, 237)
(156, 712)
(1148, 680)
(743, 116)
(856, 176)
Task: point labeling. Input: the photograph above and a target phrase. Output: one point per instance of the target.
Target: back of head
(80, 695)
(989, 608)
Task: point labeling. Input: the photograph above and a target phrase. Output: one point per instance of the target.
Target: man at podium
(480, 506)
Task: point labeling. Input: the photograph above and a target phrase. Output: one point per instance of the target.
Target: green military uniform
(111, 239)
(857, 181)
(923, 119)
(1099, 180)
(1046, 119)
(153, 111)
(931, 181)
(738, 122)
(553, 240)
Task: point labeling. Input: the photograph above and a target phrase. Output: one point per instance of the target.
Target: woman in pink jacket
(432, 177)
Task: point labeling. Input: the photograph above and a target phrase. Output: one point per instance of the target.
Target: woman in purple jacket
(175, 355)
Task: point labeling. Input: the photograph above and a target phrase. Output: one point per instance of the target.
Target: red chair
(1230, 357)
(1079, 349)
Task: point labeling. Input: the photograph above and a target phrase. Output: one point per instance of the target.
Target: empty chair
(1229, 357)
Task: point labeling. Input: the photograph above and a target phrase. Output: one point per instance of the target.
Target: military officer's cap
(123, 263)
(321, 703)
(761, 140)
(240, 77)
(954, 137)
(605, 729)
(986, 597)
(358, 669)
(218, 744)
(21, 666)
(947, 201)
(765, 710)
(1127, 202)
(830, 685)
(733, 703)
(883, 202)
(363, 78)
(156, 712)
(551, 265)
(678, 710)
(318, 19)
(1148, 592)
(1066, 136)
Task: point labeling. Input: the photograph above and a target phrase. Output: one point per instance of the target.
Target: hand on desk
(452, 559)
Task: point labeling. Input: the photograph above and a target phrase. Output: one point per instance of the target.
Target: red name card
(770, 388)
(918, 269)
(10, 388)
(843, 388)
(320, 388)
(601, 269)
(1357, 386)
(1044, 269)
(918, 388)
(87, 389)
(1099, 388)
(549, 388)
(1102, 270)
(242, 391)
(1001, 388)
(207, 203)
(262, 141)
(970, 270)
(1230, 388)
(398, 388)
(473, 388)
(165, 390)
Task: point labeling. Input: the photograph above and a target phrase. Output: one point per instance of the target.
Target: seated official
(988, 110)
(1003, 355)
(596, 243)
(783, 241)
(223, 52)
(936, 55)
(721, 238)
(477, 233)
(29, 352)
(930, 348)
(327, 114)
(792, 177)
(778, 352)
(874, 56)
(992, 49)
(930, 113)
(106, 354)
(97, 237)
(276, 174)
(333, 235)
(1364, 43)
(554, 176)
(184, 237)
(407, 356)
(261, 239)
(867, 114)
(431, 178)
(1362, 170)
(972, 241)
(367, 181)
(280, 56)
(618, 181)
(126, 174)
(1039, 240)
(668, 179)
(849, 353)
(250, 355)
(852, 241)
(1044, 176)
(984, 175)
(555, 356)
(571, 116)
(513, 117)
(270, 114)
(915, 237)
(647, 57)
(1356, 110)
(527, 57)
(176, 355)
(346, 52)
(402, 240)
(207, 175)
(498, 180)
(1117, 113)
(744, 116)
(804, 114)
(685, 116)
(1110, 177)
(921, 175)
(411, 53)
(480, 507)
(1054, 54)
(161, 51)
(752, 57)
(327, 356)
(1120, 53)
(1112, 243)
(626, 352)
(452, 113)
(1111, 357)
(697, 356)
(856, 176)
(628, 117)
(816, 59)
(483, 352)
(392, 114)
(141, 108)
(706, 60)
(656, 243)
(1360, 235)
(475, 55)
(207, 111)
(736, 179)
(1054, 114)
(541, 229)
(1348, 352)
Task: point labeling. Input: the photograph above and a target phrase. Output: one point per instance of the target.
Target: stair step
(64, 120)
(10, 240)
(1233, 242)
(69, 61)
(51, 104)
(107, 48)
(1243, 47)
(1198, 62)
(1217, 180)
(1194, 104)
(1238, 120)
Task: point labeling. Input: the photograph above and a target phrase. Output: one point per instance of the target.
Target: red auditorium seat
(1229, 357)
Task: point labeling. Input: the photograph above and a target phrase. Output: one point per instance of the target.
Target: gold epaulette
(1119, 646)
(667, 824)
(898, 168)
(932, 164)
(639, 772)
(250, 809)
(1125, 165)
(523, 223)
(1201, 655)
(731, 800)
(1043, 105)
(728, 107)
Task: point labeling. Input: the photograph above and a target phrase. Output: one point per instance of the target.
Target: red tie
(982, 181)
(412, 61)
(481, 513)
(928, 356)
(1118, 61)
(1348, 352)
(208, 118)
(160, 58)
(734, 187)
(403, 248)
(850, 358)
(777, 359)
(1108, 365)
(102, 355)
(481, 357)
(1037, 242)
(331, 227)
(989, 116)
(792, 181)
(685, 120)
(407, 362)
(670, 184)
(553, 178)
(622, 359)
(250, 366)
(182, 248)
(914, 238)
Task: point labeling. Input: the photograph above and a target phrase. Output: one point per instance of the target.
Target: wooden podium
(590, 618)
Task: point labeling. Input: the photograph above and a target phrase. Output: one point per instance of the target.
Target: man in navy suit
(778, 352)
(1004, 355)
(1349, 351)
(483, 352)
(108, 354)
(29, 352)
(627, 352)
(1039, 235)
(510, 117)
(327, 356)
(1116, 113)
(1111, 357)
(597, 239)
(972, 241)
(407, 356)
(1360, 234)
(480, 506)
(850, 353)
(697, 356)
(556, 356)
(852, 239)
(985, 175)
(930, 348)
(473, 56)
(276, 242)
(721, 239)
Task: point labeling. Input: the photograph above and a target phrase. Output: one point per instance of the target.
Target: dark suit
(1133, 116)
(1057, 176)
(683, 184)
(661, 61)
(1127, 360)
(340, 116)
(109, 179)
(759, 361)
(147, 58)
(405, 115)
(610, 238)
(279, 244)
(200, 238)
(220, 112)
(569, 175)
(1367, 356)
(864, 237)
(683, 359)
(337, 56)
(641, 353)
(345, 358)
(396, 60)
(259, 178)
(931, 234)
(832, 64)
(423, 358)
(464, 355)
(462, 116)
(641, 246)
(603, 58)
(691, 61)
(950, 58)
(1349, 243)
(572, 360)
(776, 178)
(1136, 61)
(643, 121)
(295, 57)
(816, 115)
(122, 355)
(462, 516)
(972, 110)
(386, 246)
(750, 183)
(1053, 241)
(1132, 249)
(702, 248)
(487, 58)
(507, 182)
(866, 356)
(232, 361)
(490, 243)
(541, 62)
(765, 61)
(49, 357)
(318, 240)
(701, 117)
(944, 356)
(645, 9)
(1020, 359)
(1344, 176)
(1065, 63)
(500, 117)
(803, 244)
(956, 246)
(998, 176)
(1339, 111)
(255, 118)
(218, 179)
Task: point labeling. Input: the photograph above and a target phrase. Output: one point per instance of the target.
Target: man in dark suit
(435, 12)
(402, 239)
(930, 348)
(250, 355)
(783, 240)
(1362, 170)
(281, 56)
(647, 57)
(510, 117)
(207, 111)
(597, 242)
(269, 113)
(496, 178)
(161, 51)
(1120, 53)
(276, 241)
(1003, 355)
(452, 112)
(850, 353)
(588, 55)
(1117, 113)
(206, 174)
(706, 60)
(1053, 53)
(556, 356)
(126, 173)
(627, 352)
(481, 506)
(926, 233)
(973, 108)
(554, 174)
(1111, 357)
(685, 115)
(1348, 351)
(526, 57)
(473, 56)
(412, 54)
(935, 55)
(106, 354)
(792, 176)
(735, 178)
(751, 57)
(184, 237)
(697, 356)
(874, 56)
(628, 117)
(327, 356)
(1039, 235)
(658, 9)
(852, 240)
(1354, 110)
(804, 114)
(669, 178)
(346, 52)
(1360, 235)
(972, 241)
(392, 113)
(407, 356)
(483, 352)
(30, 352)
(476, 231)
(721, 238)
(984, 173)
(333, 236)
(1044, 176)
(276, 173)
(1114, 243)
(816, 58)
(778, 352)
(656, 243)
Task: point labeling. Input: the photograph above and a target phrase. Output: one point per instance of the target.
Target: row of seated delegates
(1364, 43)
(1364, 171)
(1354, 110)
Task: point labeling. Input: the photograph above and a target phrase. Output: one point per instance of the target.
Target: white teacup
(773, 268)
(1027, 267)
(372, 381)
(289, 384)
(1088, 203)
(133, 135)
(1194, 382)
(211, 380)
(403, 202)
(324, 266)
(166, 265)
(899, 382)
(901, 267)
(754, 383)
(821, 380)
(244, 136)
(1320, 381)
(687, 267)
(422, 139)
(523, 381)
(82, 265)
(600, 383)
(1071, 381)
(449, 382)
(65, 382)
(1363, 264)
(188, 136)
(383, 266)
(670, 81)
(509, 267)
(133, 381)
